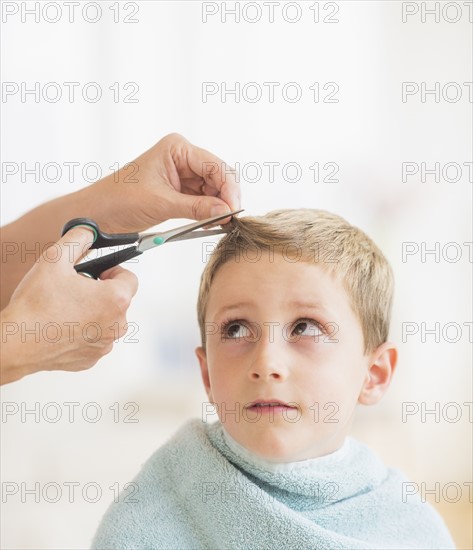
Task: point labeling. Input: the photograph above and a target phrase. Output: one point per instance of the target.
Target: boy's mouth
(268, 404)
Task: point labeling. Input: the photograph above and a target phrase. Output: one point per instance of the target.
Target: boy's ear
(202, 357)
(382, 363)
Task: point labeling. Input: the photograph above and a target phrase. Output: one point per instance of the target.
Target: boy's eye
(306, 327)
(234, 330)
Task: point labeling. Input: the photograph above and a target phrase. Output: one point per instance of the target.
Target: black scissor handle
(94, 268)
(102, 240)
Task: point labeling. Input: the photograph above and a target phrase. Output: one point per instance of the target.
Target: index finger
(216, 173)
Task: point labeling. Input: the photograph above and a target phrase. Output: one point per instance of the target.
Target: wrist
(121, 204)
(111, 204)
(13, 361)
(98, 202)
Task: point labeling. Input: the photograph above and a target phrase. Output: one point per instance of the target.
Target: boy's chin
(272, 448)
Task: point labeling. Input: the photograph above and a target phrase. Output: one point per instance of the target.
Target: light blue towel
(202, 490)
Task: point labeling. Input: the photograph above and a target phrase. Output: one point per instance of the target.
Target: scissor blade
(188, 231)
(197, 234)
(196, 225)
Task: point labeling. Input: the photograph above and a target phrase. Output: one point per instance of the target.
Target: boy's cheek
(227, 351)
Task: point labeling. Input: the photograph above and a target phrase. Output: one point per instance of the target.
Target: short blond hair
(313, 236)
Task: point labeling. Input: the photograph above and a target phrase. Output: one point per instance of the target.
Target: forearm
(25, 239)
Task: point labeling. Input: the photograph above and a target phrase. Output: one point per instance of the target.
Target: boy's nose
(268, 360)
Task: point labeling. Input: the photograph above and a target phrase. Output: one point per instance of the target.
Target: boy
(294, 310)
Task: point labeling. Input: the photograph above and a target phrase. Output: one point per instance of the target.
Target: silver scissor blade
(150, 240)
(197, 234)
(166, 235)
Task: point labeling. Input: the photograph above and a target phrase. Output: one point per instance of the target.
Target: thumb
(71, 247)
(198, 207)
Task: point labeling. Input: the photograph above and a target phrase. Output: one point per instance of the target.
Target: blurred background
(398, 166)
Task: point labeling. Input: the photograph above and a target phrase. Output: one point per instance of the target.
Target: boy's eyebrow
(232, 306)
(312, 305)
(305, 303)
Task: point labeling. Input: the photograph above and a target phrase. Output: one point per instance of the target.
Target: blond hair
(320, 237)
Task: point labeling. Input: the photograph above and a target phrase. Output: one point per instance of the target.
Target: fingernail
(218, 210)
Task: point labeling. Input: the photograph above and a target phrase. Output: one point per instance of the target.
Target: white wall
(368, 133)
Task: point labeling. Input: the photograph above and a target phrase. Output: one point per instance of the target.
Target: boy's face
(285, 331)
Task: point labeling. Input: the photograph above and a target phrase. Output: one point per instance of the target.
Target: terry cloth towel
(203, 490)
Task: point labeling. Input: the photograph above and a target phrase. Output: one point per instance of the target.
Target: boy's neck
(272, 465)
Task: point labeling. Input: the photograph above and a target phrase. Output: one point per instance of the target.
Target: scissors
(141, 241)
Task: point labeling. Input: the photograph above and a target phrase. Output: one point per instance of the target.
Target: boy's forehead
(270, 269)
(270, 280)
